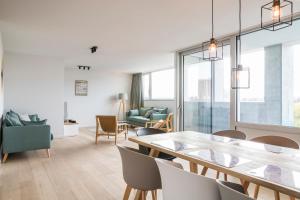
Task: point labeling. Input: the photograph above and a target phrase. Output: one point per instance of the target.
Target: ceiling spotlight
(94, 49)
(82, 67)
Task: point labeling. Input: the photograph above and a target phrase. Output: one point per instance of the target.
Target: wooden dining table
(270, 166)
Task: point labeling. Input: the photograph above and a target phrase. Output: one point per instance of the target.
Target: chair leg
(256, 191)
(225, 177)
(193, 167)
(5, 157)
(96, 141)
(277, 195)
(138, 195)
(48, 153)
(127, 193)
(116, 138)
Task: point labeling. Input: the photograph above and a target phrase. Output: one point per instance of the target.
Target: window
(274, 62)
(159, 85)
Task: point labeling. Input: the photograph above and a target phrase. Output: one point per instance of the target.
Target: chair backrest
(139, 171)
(277, 140)
(108, 123)
(178, 184)
(169, 121)
(230, 191)
(231, 134)
(148, 131)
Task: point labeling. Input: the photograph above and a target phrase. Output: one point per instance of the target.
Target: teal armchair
(25, 138)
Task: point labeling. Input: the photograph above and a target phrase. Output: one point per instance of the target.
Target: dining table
(274, 167)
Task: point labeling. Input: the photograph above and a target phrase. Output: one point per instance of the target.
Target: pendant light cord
(212, 18)
(240, 32)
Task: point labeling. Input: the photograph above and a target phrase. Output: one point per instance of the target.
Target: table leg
(154, 153)
(245, 185)
(193, 167)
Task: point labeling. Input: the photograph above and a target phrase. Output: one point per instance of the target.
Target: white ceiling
(132, 35)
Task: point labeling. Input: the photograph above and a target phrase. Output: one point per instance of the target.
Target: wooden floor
(77, 169)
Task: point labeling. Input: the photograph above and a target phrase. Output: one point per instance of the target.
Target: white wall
(34, 84)
(103, 88)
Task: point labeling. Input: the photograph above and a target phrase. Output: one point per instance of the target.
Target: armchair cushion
(139, 119)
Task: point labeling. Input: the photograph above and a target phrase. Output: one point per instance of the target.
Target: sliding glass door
(206, 93)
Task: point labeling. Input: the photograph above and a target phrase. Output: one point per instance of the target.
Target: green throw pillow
(34, 118)
(13, 119)
(134, 112)
(149, 113)
(35, 123)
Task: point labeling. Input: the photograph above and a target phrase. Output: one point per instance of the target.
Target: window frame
(234, 105)
(150, 85)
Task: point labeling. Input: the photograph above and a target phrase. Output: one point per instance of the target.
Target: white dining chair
(178, 184)
(232, 191)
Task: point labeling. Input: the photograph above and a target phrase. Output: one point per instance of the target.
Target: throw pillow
(34, 118)
(13, 118)
(143, 111)
(134, 112)
(33, 123)
(148, 113)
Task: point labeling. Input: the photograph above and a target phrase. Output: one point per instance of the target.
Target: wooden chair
(165, 125)
(234, 134)
(278, 141)
(110, 127)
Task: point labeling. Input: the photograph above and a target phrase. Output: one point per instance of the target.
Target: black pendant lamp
(212, 49)
(277, 15)
(240, 74)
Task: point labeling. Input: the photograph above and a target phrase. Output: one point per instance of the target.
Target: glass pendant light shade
(212, 49)
(277, 15)
(240, 78)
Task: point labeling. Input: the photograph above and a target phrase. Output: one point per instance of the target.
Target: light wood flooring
(77, 169)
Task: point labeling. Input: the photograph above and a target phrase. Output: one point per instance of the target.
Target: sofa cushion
(13, 119)
(161, 110)
(138, 119)
(35, 123)
(134, 112)
(143, 111)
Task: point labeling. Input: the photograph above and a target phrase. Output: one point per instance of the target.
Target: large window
(206, 93)
(159, 85)
(274, 62)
